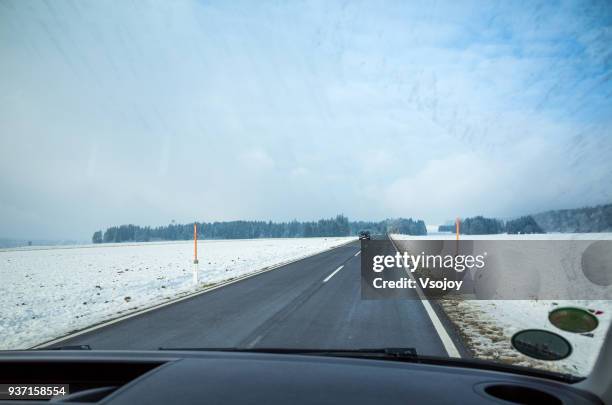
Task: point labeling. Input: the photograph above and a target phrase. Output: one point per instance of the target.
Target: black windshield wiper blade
(403, 353)
(68, 347)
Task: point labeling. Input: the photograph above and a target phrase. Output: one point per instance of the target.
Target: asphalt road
(298, 305)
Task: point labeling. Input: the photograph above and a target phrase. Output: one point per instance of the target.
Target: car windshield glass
(428, 176)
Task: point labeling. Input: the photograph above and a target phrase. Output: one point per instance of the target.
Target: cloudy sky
(145, 112)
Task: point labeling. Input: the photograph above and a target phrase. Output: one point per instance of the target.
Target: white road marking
(449, 346)
(357, 254)
(331, 275)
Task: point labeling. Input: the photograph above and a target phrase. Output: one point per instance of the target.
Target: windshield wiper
(402, 353)
(73, 347)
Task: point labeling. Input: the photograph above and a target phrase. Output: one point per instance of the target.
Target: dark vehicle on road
(364, 235)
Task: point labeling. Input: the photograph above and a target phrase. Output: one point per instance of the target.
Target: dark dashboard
(186, 377)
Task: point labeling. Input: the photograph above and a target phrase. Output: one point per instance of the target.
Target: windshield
(194, 174)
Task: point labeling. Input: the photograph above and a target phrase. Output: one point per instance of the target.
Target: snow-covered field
(48, 292)
(488, 325)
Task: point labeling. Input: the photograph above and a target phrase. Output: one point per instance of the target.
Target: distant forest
(488, 226)
(588, 219)
(338, 226)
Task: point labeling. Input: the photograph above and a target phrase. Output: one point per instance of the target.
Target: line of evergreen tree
(338, 226)
(481, 226)
(587, 219)
(577, 220)
(489, 226)
(522, 225)
(407, 226)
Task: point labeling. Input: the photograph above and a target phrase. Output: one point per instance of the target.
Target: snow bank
(48, 292)
(487, 325)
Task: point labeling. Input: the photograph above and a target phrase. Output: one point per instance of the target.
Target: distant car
(364, 235)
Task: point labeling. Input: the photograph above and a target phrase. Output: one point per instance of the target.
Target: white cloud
(115, 112)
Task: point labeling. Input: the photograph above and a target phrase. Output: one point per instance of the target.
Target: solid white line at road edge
(331, 275)
(449, 346)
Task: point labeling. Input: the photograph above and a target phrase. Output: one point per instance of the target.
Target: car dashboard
(185, 377)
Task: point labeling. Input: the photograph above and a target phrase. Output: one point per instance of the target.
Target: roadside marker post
(195, 254)
(457, 225)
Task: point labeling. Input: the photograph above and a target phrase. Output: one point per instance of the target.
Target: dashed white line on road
(357, 254)
(331, 275)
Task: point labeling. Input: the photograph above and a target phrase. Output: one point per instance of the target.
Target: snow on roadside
(488, 325)
(48, 292)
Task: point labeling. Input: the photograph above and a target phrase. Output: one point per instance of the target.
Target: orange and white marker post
(195, 254)
(457, 225)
